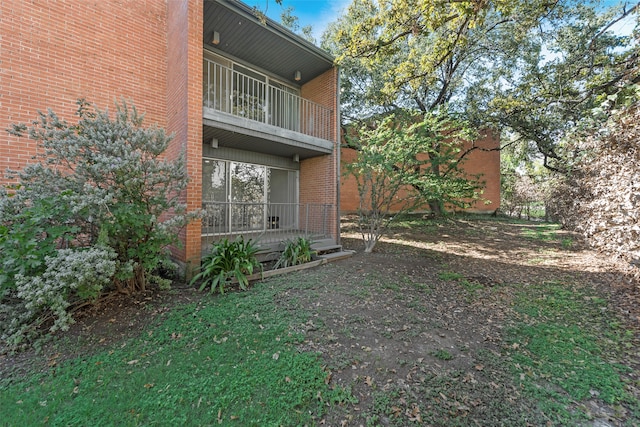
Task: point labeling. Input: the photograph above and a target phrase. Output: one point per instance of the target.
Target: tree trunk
(436, 207)
(369, 244)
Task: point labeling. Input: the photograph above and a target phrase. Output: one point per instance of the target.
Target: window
(247, 197)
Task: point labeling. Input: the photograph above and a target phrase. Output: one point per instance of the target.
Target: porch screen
(241, 197)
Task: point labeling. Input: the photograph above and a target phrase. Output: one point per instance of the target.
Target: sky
(317, 13)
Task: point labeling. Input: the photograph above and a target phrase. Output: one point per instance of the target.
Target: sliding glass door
(243, 197)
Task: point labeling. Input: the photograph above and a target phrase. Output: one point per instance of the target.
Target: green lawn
(243, 358)
(227, 359)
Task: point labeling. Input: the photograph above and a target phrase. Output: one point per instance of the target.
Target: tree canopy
(538, 69)
(404, 161)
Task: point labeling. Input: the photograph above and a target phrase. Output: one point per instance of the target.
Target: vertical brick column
(184, 109)
(319, 175)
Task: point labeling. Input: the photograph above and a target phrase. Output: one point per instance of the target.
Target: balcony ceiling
(266, 45)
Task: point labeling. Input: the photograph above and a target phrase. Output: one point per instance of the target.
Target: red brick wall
(487, 163)
(184, 108)
(147, 52)
(349, 198)
(479, 161)
(54, 52)
(318, 175)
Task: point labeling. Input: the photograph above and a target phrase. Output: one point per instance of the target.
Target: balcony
(245, 95)
(266, 223)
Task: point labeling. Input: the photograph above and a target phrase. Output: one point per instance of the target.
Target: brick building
(254, 107)
(482, 160)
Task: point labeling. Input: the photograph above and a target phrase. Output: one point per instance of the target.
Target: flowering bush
(72, 275)
(96, 210)
(114, 181)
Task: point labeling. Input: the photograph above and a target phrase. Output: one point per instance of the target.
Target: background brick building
(483, 161)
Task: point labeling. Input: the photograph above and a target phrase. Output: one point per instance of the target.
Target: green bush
(102, 189)
(296, 251)
(29, 233)
(226, 261)
(108, 178)
(43, 301)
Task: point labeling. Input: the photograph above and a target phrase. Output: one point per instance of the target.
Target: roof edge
(276, 28)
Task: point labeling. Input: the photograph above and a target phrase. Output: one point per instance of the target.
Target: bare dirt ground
(430, 350)
(411, 345)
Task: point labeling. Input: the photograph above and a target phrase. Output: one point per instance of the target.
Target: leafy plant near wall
(113, 179)
(97, 188)
(226, 261)
(296, 251)
(406, 160)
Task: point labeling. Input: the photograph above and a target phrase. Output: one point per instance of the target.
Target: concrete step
(335, 256)
(325, 249)
(322, 242)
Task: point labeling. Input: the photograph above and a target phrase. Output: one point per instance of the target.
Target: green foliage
(404, 162)
(226, 261)
(442, 354)
(290, 21)
(112, 181)
(450, 276)
(99, 189)
(30, 233)
(223, 361)
(70, 276)
(540, 70)
(426, 54)
(567, 83)
(296, 251)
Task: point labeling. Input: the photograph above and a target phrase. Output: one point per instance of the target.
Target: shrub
(112, 182)
(226, 261)
(71, 276)
(297, 251)
(600, 198)
(30, 233)
(95, 211)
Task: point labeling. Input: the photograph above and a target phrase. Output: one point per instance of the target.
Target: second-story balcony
(248, 95)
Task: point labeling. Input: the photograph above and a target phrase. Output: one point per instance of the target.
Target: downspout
(338, 160)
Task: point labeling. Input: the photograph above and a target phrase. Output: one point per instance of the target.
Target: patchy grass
(544, 232)
(563, 349)
(227, 359)
(404, 336)
(442, 354)
(450, 276)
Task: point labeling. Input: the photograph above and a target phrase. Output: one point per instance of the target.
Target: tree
(555, 93)
(290, 21)
(394, 168)
(534, 68)
(287, 20)
(416, 53)
(423, 55)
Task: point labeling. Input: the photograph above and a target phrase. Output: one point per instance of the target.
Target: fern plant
(226, 261)
(296, 251)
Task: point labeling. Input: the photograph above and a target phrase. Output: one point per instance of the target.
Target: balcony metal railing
(241, 95)
(268, 222)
